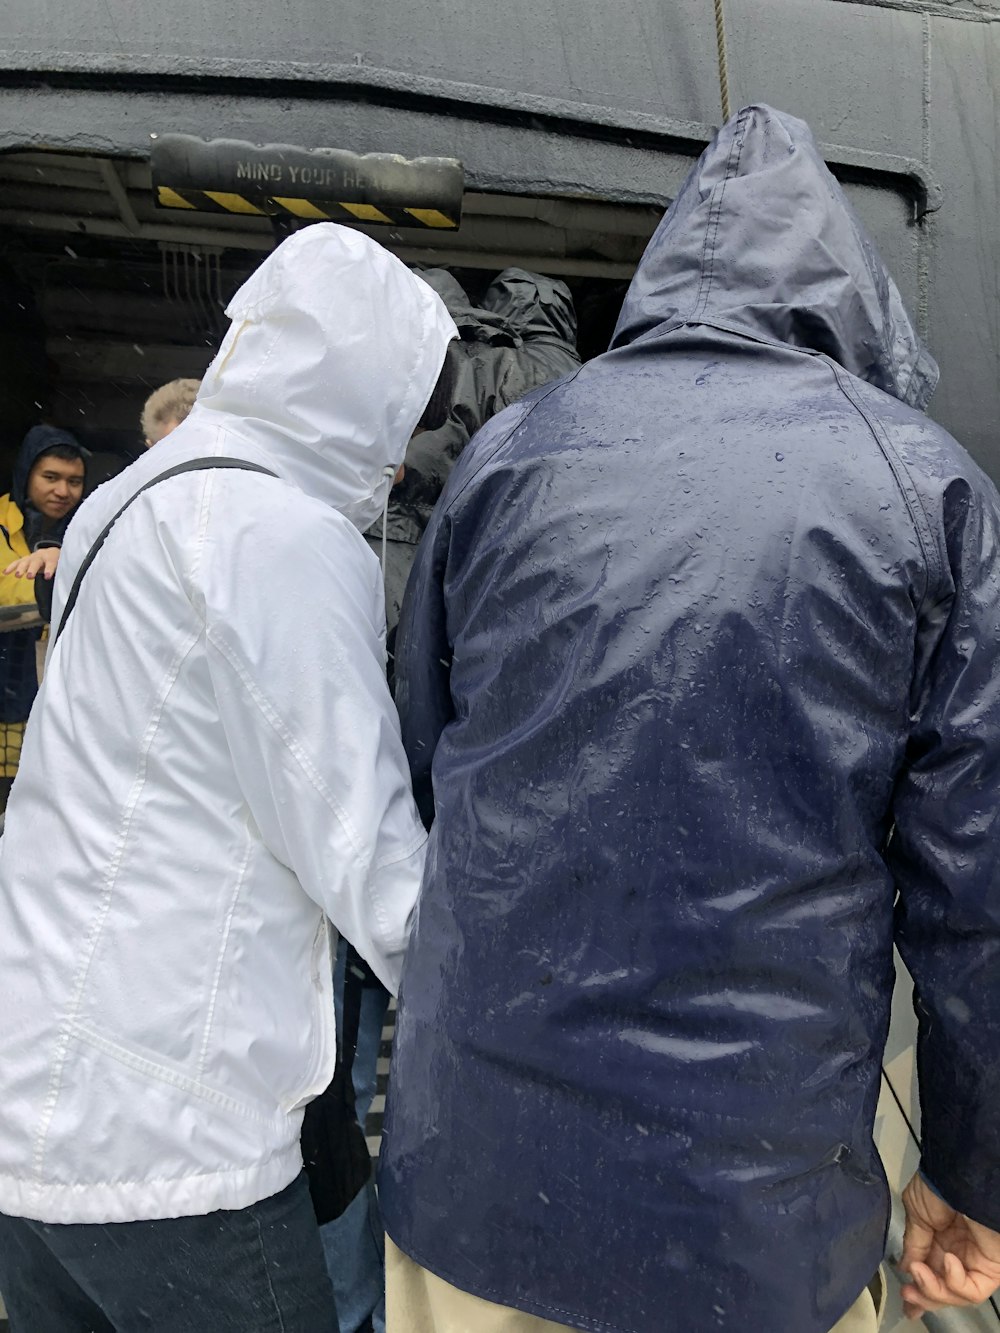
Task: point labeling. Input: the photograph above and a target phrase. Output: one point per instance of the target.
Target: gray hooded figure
(520, 337)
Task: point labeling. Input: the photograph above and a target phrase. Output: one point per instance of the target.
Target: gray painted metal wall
(572, 98)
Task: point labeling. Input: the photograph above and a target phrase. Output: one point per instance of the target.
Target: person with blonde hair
(166, 407)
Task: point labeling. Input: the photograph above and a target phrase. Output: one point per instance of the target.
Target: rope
(720, 37)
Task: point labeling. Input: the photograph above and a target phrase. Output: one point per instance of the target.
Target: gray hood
(762, 240)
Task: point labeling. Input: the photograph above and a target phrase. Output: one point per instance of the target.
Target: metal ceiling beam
(455, 256)
(109, 174)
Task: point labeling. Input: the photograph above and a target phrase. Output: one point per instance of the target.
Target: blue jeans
(353, 1243)
(251, 1270)
(354, 1248)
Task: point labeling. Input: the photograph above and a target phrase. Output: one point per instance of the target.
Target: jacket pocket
(152, 1066)
(323, 1048)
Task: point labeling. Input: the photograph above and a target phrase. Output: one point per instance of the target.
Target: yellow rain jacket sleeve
(13, 591)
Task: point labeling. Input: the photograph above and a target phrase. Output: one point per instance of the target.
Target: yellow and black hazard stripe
(318, 210)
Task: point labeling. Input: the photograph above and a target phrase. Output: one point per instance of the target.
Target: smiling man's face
(55, 485)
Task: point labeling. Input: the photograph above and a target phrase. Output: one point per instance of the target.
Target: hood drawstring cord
(390, 472)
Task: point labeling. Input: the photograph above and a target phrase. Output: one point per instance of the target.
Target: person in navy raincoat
(699, 679)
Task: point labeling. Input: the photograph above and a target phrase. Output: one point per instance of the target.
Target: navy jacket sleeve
(424, 643)
(945, 855)
(423, 661)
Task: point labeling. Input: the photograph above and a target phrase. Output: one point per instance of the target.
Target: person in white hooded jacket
(213, 773)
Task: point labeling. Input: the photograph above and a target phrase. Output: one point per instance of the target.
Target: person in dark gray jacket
(699, 673)
(520, 336)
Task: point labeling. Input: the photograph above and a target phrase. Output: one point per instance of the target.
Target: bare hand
(950, 1259)
(44, 562)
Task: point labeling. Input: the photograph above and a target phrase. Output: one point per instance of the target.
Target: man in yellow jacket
(163, 411)
(47, 486)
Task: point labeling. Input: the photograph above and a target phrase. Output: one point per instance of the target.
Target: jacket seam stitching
(418, 361)
(220, 960)
(63, 1185)
(253, 317)
(896, 465)
(184, 1082)
(317, 1044)
(204, 514)
(902, 478)
(715, 216)
(483, 462)
(104, 907)
(315, 778)
(273, 719)
(708, 250)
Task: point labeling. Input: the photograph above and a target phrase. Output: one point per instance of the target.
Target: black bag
(334, 1148)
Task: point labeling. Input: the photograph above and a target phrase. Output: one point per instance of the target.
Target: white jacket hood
(331, 358)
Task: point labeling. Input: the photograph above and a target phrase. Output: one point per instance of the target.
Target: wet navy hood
(762, 240)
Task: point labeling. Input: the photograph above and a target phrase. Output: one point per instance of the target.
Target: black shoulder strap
(193, 465)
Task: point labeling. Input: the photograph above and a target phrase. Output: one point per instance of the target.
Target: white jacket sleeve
(294, 626)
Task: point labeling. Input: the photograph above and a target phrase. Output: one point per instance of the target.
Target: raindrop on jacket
(689, 633)
(213, 764)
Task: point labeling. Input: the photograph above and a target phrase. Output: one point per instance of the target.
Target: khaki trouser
(418, 1302)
